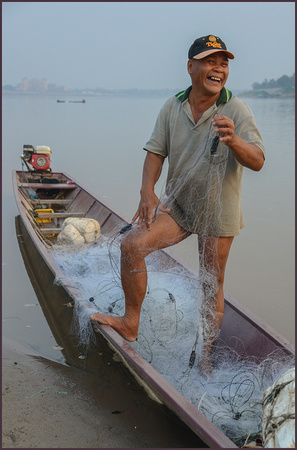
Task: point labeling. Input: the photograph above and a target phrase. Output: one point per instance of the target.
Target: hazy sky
(142, 45)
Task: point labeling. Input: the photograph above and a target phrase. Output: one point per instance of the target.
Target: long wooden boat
(62, 197)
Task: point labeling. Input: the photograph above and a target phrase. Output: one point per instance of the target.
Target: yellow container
(43, 211)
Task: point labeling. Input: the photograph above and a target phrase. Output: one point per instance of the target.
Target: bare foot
(117, 323)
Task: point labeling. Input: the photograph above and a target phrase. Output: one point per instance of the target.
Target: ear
(189, 66)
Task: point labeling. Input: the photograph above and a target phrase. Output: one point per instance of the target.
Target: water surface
(100, 144)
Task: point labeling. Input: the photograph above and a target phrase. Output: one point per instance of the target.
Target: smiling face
(209, 74)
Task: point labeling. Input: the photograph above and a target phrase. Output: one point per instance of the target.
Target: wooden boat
(72, 101)
(61, 197)
(77, 101)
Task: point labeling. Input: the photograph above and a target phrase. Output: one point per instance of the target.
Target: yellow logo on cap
(213, 42)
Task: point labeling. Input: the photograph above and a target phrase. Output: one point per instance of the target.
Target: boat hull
(258, 339)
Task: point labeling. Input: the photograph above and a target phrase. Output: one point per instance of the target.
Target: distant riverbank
(154, 93)
(268, 93)
(137, 93)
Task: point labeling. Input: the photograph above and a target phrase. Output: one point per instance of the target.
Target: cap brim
(214, 50)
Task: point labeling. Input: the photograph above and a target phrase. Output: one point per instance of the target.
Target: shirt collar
(224, 97)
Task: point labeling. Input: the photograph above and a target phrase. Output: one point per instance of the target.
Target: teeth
(216, 79)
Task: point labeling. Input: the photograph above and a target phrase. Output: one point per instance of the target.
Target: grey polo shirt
(191, 165)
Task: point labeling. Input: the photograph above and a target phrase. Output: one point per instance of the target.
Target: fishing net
(193, 196)
(170, 328)
(178, 316)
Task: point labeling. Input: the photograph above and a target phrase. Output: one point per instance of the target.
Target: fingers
(222, 122)
(143, 214)
(146, 214)
(140, 220)
(225, 127)
(136, 215)
(163, 209)
(147, 217)
(140, 216)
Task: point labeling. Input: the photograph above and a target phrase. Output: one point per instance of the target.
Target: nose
(218, 68)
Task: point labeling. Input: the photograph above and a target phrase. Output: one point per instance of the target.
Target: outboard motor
(39, 158)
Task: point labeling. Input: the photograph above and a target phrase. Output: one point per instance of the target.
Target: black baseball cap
(206, 45)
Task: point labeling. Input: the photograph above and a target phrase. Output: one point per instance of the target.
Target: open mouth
(214, 79)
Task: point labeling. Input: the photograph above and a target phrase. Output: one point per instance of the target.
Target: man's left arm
(248, 155)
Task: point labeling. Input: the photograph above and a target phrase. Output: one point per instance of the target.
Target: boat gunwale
(166, 392)
(169, 395)
(260, 324)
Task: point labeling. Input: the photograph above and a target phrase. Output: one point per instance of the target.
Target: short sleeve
(158, 141)
(246, 127)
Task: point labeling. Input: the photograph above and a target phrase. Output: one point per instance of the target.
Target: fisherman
(180, 132)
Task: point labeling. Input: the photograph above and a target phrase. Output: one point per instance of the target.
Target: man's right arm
(152, 169)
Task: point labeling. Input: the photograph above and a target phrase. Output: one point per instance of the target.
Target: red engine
(39, 158)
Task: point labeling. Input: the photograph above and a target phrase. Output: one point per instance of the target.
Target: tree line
(285, 82)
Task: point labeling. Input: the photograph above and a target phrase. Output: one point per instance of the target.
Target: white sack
(88, 230)
(70, 235)
(279, 413)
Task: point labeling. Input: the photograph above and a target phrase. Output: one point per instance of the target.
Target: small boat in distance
(72, 101)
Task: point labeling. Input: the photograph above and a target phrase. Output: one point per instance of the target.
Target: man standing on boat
(186, 124)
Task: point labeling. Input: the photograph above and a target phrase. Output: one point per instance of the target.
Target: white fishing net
(178, 316)
(193, 196)
(170, 330)
(193, 193)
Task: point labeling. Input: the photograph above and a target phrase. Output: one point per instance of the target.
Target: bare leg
(136, 245)
(214, 254)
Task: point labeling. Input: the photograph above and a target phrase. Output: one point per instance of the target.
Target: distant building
(44, 84)
(24, 85)
(35, 85)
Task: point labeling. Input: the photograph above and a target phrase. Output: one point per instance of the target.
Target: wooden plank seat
(49, 186)
(49, 231)
(59, 215)
(46, 217)
(50, 201)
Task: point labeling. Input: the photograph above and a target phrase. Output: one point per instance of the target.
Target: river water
(100, 144)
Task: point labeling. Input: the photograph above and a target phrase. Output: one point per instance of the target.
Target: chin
(215, 91)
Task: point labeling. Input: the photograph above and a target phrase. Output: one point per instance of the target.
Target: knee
(133, 247)
(127, 245)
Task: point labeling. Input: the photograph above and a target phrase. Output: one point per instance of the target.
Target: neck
(200, 102)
